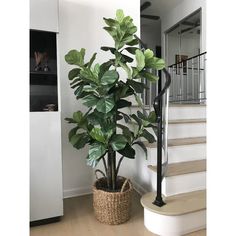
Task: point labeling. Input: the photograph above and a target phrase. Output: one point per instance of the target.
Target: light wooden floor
(78, 220)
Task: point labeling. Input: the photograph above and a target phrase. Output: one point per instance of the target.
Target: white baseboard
(138, 188)
(75, 192)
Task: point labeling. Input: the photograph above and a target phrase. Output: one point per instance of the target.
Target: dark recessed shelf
(43, 73)
(43, 84)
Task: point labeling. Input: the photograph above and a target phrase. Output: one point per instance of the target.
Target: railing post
(159, 201)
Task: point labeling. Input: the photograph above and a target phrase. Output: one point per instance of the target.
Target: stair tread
(182, 168)
(186, 105)
(177, 204)
(179, 142)
(184, 121)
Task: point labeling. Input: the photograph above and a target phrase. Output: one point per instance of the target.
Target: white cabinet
(46, 198)
(44, 15)
(46, 193)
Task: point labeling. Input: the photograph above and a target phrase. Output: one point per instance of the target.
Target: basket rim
(112, 193)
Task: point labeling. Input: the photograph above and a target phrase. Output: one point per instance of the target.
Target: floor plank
(79, 220)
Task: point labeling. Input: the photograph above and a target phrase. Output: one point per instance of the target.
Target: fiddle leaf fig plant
(105, 127)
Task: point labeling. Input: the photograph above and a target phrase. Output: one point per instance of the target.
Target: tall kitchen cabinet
(46, 197)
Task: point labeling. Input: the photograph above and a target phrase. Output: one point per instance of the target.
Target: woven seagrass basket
(112, 207)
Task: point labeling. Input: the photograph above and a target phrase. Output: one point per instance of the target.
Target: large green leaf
(96, 151)
(70, 120)
(79, 90)
(123, 103)
(131, 50)
(78, 116)
(141, 115)
(149, 76)
(152, 117)
(126, 68)
(126, 117)
(120, 15)
(111, 31)
(97, 134)
(112, 50)
(133, 42)
(118, 142)
(89, 76)
(90, 100)
(109, 77)
(140, 59)
(73, 73)
(147, 135)
(138, 120)
(75, 57)
(79, 140)
(105, 67)
(72, 132)
(128, 151)
(89, 88)
(92, 60)
(126, 59)
(137, 86)
(105, 104)
(96, 69)
(110, 22)
(155, 63)
(138, 100)
(148, 54)
(126, 132)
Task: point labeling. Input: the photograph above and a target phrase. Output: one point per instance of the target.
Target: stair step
(186, 121)
(179, 142)
(182, 168)
(186, 105)
(177, 204)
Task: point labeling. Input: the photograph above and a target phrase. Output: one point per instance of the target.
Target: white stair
(182, 214)
(184, 185)
(181, 177)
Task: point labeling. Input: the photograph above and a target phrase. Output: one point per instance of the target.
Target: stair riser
(188, 130)
(176, 113)
(180, 153)
(180, 183)
(174, 225)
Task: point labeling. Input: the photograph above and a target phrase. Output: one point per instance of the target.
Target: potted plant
(105, 125)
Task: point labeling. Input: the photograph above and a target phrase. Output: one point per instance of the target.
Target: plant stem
(104, 163)
(111, 169)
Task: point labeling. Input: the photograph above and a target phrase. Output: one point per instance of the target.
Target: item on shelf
(50, 107)
(38, 59)
(45, 59)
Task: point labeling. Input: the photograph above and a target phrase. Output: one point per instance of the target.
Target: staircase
(184, 185)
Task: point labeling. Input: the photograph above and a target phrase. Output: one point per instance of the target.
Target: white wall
(80, 25)
(185, 8)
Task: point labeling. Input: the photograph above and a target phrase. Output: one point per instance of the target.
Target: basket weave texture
(112, 207)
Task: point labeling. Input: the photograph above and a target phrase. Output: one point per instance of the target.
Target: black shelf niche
(43, 84)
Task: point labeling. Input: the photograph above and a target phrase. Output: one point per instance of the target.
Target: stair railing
(161, 101)
(189, 80)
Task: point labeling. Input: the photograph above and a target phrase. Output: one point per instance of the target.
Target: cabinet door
(46, 197)
(44, 15)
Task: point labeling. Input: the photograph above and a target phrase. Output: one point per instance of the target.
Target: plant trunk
(111, 169)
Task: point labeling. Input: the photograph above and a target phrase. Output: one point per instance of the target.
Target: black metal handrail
(175, 64)
(158, 110)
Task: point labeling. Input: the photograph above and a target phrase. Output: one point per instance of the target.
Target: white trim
(174, 225)
(75, 192)
(138, 188)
